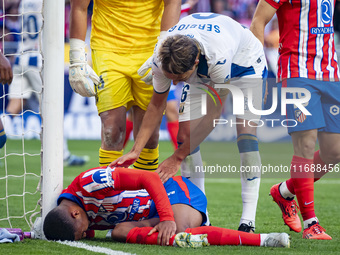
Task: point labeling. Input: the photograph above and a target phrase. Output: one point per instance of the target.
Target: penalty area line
(93, 248)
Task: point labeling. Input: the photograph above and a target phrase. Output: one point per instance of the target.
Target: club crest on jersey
(300, 116)
(116, 217)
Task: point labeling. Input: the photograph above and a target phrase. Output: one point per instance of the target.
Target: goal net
(31, 162)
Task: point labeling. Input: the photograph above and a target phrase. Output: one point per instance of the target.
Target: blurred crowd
(240, 10)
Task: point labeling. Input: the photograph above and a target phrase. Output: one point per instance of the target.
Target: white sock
(262, 238)
(284, 191)
(190, 171)
(309, 221)
(250, 181)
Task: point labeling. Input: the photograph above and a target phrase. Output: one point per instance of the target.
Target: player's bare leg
(329, 147)
(113, 134)
(15, 105)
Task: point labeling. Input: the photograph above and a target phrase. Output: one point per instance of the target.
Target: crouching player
(138, 209)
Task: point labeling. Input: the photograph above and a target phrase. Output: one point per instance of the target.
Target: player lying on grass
(139, 209)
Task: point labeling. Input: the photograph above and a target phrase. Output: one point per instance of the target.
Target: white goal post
(52, 107)
(31, 175)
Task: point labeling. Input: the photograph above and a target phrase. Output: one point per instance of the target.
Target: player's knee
(331, 156)
(304, 144)
(181, 228)
(306, 148)
(121, 231)
(3, 139)
(112, 137)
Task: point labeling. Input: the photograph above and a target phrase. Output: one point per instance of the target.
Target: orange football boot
(289, 209)
(315, 231)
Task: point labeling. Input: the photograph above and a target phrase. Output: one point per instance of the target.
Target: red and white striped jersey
(306, 46)
(94, 191)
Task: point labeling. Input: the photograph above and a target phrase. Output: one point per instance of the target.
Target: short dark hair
(58, 225)
(178, 54)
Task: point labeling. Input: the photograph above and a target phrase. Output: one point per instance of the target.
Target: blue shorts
(324, 105)
(182, 191)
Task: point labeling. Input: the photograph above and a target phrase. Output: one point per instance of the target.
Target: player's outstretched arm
(263, 14)
(202, 129)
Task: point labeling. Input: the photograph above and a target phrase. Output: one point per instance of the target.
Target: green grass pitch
(223, 193)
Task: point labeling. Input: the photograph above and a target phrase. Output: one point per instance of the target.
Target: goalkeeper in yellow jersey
(123, 37)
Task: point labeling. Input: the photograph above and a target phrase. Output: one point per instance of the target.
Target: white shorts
(191, 106)
(26, 80)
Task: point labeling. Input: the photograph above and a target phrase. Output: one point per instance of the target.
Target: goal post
(31, 172)
(52, 105)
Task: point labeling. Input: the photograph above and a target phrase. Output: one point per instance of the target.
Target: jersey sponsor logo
(326, 11)
(322, 30)
(134, 208)
(334, 110)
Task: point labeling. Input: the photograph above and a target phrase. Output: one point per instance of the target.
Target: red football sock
(173, 130)
(318, 164)
(303, 181)
(128, 130)
(140, 236)
(223, 236)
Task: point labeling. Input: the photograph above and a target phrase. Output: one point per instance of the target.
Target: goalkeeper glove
(148, 64)
(81, 76)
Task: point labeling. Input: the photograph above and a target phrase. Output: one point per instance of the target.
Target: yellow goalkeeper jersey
(126, 25)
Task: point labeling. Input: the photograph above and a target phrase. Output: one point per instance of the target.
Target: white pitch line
(93, 248)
